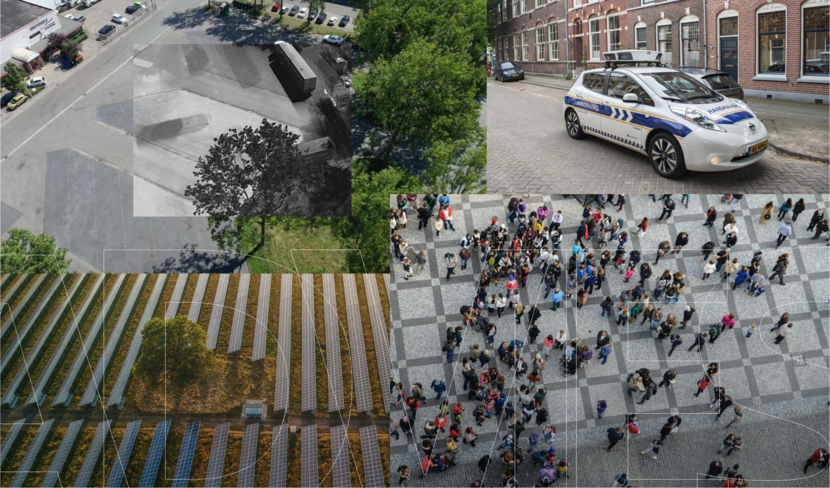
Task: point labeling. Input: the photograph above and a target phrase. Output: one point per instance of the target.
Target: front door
(619, 124)
(729, 56)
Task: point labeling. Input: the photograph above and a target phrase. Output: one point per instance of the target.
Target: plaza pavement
(783, 388)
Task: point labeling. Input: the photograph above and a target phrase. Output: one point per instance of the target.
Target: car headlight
(698, 118)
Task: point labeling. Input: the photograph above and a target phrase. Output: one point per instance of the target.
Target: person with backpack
(439, 387)
(714, 333)
(621, 480)
(449, 348)
(547, 475)
(403, 474)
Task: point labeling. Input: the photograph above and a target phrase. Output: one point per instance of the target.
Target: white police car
(667, 115)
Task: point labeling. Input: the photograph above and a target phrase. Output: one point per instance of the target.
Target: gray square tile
(771, 378)
(422, 341)
(803, 337)
(416, 303)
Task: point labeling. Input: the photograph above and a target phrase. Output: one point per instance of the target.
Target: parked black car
(104, 31)
(509, 70)
(321, 18)
(133, 9)
(345, 20)
(6, 98)
(717, 80)
(293, 10)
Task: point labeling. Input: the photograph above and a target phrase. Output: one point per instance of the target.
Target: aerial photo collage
(415, 243)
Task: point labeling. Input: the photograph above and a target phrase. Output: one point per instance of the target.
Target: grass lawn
(276, 255)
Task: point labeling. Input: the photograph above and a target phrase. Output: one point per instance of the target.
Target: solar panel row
(335, 375)
(81, 358)
(262, 309)
(248, 457)
(340, 456)
(92, 455)
(176, 299)
(372, 466)
(198, 297)
(279, 456)
(284, 341)
(308, 462)
(357, 350)
(380, 333)
(122, 458)
(309, 385)
(8, 440)
(68, 335)
(10, 395)
(151, 464)
(21, 330)
(182, 474)
(7, 280)
(92, 391)
(386, 282)
(31, 454)
(59, 460)
(218, 311)
(213, 478)
(22, 304)
(117, 393)
(241, 306)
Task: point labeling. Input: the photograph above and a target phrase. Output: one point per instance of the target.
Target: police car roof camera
(669, 116)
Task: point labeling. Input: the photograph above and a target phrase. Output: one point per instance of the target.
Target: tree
(24, 252)
(457, 166)
(492, 20)
(318, 5)
(174, 350)
(253, 173)
(54, 41)
(71, 50)
(423, 94)
(16, 78)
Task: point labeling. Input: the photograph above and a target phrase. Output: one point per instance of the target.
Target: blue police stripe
(639, 119)
(735, 117)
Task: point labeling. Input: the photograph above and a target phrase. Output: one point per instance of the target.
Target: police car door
(620, 125)
(588, 101)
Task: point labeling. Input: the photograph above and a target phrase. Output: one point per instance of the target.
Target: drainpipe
(706, 37)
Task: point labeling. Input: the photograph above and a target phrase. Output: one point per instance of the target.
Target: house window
(614, 33)
(540, 3)
(772, 30)
(816, 41)
(525, 47)
(517, 55)
(664, 42)
(577, 3)
(593, 26)
(515, 8)
(540, 44)
(690, 44)
(553, 41)
(646, 2)
(522, 6)
(640, 37)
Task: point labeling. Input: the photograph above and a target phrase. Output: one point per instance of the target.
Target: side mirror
(631, 98)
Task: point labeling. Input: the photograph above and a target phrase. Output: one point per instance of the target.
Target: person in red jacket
(820, 457)
(702, 385)
(441, 421)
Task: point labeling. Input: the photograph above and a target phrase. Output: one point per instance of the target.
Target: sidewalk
(796, 129)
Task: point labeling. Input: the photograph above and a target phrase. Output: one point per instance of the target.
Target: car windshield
(507, 65)
(721, 81)
(673, 85)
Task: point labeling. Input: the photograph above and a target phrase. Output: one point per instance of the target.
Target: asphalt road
(529, 151)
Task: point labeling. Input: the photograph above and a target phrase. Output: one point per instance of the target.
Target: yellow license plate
(758, 147)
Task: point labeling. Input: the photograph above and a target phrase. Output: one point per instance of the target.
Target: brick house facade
(673, 27)
(532, 32)
(595, 27)
(781, 46)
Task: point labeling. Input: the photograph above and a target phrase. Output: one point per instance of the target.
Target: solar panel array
(372, 467)
(92, 391)
(198, 297)
(357, 349)
(218, 311)
(386, 282)
(335, 375)
(284, 341)
(68, 334)
(176, 299)
(182, 474)
(117, 393)
(11, 392)
(309, 385)
(151, 464)
(14, 287)
(248, 459)
(340, 472)
(34, 317)
(7, 280)
(261, 331)
(380, 334)
(241, 306)
(8, 440)
(279, 455)
(81, 357)
(59, 460)
(31, 454)
(122, 459)
(308, 463)
(92, 455)
(22, 303)
(213, 478)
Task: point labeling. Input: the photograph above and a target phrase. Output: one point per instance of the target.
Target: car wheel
(573, 125)
(666, 156)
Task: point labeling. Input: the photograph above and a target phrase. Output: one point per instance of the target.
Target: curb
(799, 155)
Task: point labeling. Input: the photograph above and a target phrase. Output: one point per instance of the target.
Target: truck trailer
(300, 72)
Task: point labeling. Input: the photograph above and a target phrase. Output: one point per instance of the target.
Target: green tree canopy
(174, 349)
(24, 252)
(71, 50)
(458, 165)
(15, 78)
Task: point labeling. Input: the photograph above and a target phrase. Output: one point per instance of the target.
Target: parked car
(16, 101)
(69, 16)
(293, 11)
(119, 19)
(7, 97)
(717, 80)
(283, 10)
(321, 18)
(302, 13)
(103, 32)
(36, 82)
(276, 7)
(345, 20)
(132, 9)
(336, 40)
(509, 70)
(332, 20)
(312, 14)
(80, 19)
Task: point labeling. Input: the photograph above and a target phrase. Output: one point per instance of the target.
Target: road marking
(44, 126)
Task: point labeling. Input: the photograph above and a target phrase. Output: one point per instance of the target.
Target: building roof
(17, 14)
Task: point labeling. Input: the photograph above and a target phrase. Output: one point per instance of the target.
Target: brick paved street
(529, 151)
(784, 400)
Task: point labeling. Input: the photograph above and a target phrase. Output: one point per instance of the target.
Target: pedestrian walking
(711, 216)
(750, 329)
(715, 469)
(451, 262)
(668, 208)
(780, 268)
(737, 416)
(654, 449)
(820, 457)
(766, 213)
(621, 480)
(700, 341)
(784, 208)
(720, 392)
(783, 332)
(817, 217)
(709, 268)
(784, 320)
(403, 474)
(651, 390)
(725, 403)
(604, 352)
(688, 312)
(702, 385)
(601, 406)
(784, 231)
(615, 435)
(668, 379)
(737, 445)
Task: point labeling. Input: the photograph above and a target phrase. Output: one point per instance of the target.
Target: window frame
(515, 9)
(525, 46)
(638, 27)
(809, 5)
(618, 30)
(683, 61)
(553, 43)
(591, 35)
(516, 47)
(543, 45)
(766, 9)
(669, 41)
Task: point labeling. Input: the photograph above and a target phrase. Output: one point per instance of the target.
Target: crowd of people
(531, 239)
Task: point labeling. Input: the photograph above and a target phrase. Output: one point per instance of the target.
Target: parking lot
(332, 9)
